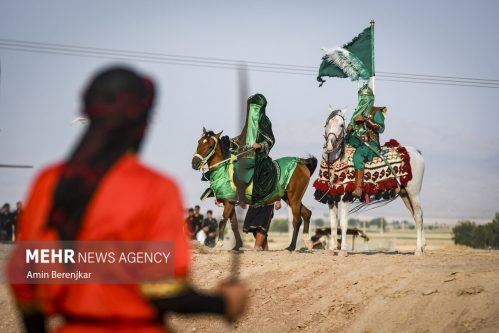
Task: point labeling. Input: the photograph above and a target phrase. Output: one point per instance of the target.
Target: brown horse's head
(207, 146)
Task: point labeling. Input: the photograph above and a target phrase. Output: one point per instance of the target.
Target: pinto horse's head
(207, 146)
(334, 132)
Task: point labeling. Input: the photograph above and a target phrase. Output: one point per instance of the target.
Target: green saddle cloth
(223, 186)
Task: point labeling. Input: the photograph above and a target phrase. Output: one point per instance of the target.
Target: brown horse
(210, 151)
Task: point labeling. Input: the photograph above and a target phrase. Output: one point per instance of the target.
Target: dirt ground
(450, 289)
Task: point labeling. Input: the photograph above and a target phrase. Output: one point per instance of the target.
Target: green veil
(366, 102)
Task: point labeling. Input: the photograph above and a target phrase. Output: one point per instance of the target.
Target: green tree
(319, 222)
(481, 236)
(378, 222)
(354, 223)
(463, 233)
(279, 225)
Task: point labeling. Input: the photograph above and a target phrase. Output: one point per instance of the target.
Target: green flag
(354, 60)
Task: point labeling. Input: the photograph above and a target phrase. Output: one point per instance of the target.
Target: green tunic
(223, 187)
(362, 153)
(257, 165)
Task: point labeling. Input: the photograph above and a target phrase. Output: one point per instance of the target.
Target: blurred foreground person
(104, 192)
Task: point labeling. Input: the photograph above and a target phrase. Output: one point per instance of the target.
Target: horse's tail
(311, 164)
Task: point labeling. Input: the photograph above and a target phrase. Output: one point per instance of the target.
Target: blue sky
(455, 127)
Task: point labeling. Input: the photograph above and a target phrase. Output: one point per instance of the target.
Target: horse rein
(228, 159)
(204, 159)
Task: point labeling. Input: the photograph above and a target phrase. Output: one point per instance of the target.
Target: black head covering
(118, 103)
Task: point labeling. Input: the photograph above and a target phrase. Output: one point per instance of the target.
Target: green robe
(362, 153)
(257, 165)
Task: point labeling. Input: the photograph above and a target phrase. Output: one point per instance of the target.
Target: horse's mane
(225, 146)
(209, 134)
(224, 143)
(333, 113)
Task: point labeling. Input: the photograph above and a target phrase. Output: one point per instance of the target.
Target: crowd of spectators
(9, 221)
(202, 229)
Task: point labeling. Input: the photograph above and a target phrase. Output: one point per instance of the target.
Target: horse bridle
(205, 159)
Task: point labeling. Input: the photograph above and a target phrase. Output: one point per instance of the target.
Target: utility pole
(243, 81)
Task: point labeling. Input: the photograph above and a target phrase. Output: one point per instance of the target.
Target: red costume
(132, 202)
(102, 192)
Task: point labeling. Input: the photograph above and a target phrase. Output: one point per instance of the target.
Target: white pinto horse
(333, 151)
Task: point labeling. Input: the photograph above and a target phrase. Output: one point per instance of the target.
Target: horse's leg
(333, 215)
(296, 189)
(228, 208)
(295, 208)
(221, 230)
(235, 230)
(344, 227)
(412, 200)
(306, 214)
(413, 204)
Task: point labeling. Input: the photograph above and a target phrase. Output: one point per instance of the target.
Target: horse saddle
(208, 193)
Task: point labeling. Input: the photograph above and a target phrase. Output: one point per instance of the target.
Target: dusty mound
(450, 290)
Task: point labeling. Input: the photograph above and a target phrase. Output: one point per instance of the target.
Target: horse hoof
(329, 253)
(419, 253)
(309, 245)
(343, 253)
(237, 248)
(290, 249)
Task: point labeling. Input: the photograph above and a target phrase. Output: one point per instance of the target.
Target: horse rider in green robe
(257, 140)
(364, 128)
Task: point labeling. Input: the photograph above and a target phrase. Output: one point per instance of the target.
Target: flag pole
(373, 82)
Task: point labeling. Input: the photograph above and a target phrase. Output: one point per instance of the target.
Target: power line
(221, 60)
(141, 55)
(220, 63)
(149, 60)
(18, 42)
(441, 84)
(436, 80)
(440, 76)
